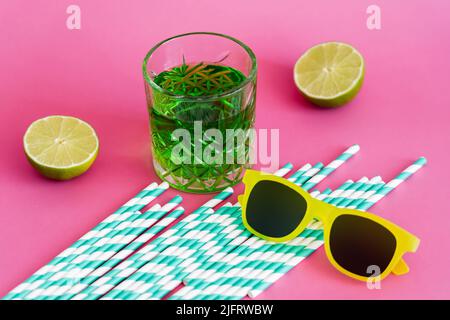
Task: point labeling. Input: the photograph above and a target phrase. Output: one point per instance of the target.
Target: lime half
(330, 74)
(60, 147)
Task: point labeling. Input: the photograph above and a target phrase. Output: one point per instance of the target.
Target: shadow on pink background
(402, 112)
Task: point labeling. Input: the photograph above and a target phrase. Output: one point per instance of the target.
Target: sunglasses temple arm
(400, 268)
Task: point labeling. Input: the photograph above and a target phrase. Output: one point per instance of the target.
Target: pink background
(402, 112)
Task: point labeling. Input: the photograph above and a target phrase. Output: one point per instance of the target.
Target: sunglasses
(276, 209)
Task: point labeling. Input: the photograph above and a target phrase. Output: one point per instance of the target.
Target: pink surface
(402, 112)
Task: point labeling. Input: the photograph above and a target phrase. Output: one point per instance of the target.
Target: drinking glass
(200, 89)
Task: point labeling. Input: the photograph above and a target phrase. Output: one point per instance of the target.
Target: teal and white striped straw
(139, 201)
(123, 254)
(308, 174)
(167, 282)
(362, 192)
(332, 166)
(394, 183)
(144, 280)
(366, 195)
(68, 274)
(320, 166)
(300, 172)
(120, 291)
(84, 264)
(125, 269)
(166, 278)
(103, 285)
(171, 280)
(167, 246)
(129, 266)
(182, 250)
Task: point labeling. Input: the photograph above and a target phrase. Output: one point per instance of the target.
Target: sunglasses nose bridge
(322, 210)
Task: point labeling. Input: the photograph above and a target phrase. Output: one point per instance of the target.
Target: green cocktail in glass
(201, 87)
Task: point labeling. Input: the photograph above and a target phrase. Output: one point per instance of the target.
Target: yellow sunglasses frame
(327, 214)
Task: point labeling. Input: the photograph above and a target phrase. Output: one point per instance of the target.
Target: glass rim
(240, 87)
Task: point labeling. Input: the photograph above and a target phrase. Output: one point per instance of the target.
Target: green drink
(197, 99)
(199, 80)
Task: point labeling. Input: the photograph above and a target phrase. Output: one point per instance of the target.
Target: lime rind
(66, 161)
(345, 76)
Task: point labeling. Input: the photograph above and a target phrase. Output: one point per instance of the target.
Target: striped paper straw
(366, 195)
(346, 194)
(170, 245)
(122, 271)
(308, 174)
(218, 198)
(142, 199)
(182, 252)
(57, 280)
(215, 200)
(101, 252)
(405, 174)
(300, 172)
(110, 280)
(145, 280)
(124, 253)
(356, 196)
(236, 283)
(282, 171)
(66, 263)
(127, 267)
(170, 281)
(394, 183)
(238, 239)
(166, 284)
(332, 166)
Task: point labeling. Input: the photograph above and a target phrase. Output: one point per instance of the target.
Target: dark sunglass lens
(357, 243)
(274, 209)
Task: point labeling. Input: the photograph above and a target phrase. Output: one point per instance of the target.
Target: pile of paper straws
(133, 254)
